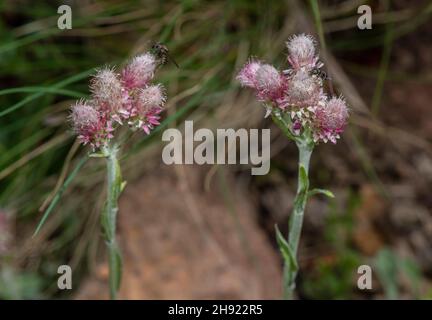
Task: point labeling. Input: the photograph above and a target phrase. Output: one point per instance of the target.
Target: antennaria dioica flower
(120, 99)
(296, 100)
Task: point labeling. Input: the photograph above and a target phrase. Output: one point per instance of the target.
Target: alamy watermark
(64, 281)
(65, 20)
(365, 20)
(219, 149)
(364, 281)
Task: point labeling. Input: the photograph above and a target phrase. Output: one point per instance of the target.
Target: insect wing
(171, 59)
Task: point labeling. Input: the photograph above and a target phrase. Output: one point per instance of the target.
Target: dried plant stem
(115, 186)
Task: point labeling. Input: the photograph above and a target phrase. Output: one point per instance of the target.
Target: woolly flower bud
(139, 71)
(150, 97)
(107, 91)
(303, 90)
(247, 75)
(301, 51)
(330, 120)
(85, 121)
(84, 117)
(268, 82)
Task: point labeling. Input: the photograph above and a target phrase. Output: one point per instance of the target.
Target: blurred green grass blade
(22, 146)
(317, 18)
(387, 266)
(169, 28)
(53, 30)
(36, 95)
(64, 92)
(367, 162)
(27, 40)
(383, 69)
(60, 192)
(421, 17)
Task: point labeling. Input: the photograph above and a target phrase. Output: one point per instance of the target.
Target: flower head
(90, 125)
(150, 97)
(139, 71)
(269, 82)
(302, 52)
(330, 120)
(143, 101)
(297, 92)
(107, 91)
(128, 98)
(303, 91)
(84, 117)
(147, 108)
(247, 75)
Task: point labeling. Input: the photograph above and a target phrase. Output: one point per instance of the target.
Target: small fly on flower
(162, 53)
(320, 74)
(317, 72)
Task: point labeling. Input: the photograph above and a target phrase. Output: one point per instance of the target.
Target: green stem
(305, 153)
(296, 219)
(109, 217)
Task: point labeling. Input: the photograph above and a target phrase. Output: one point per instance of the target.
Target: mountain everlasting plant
(296, 100)
(127, 98)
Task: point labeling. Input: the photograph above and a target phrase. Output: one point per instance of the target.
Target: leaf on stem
(122, 186)
(97, 155)
(325, 192)
(286, 250)
(304, 181)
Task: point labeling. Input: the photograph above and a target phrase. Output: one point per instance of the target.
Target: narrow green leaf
(122, 186)
(325, 192)
(287, 252)
(97, 155)
(317, 18)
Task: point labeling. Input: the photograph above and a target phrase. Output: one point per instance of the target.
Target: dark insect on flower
(320, 74)
(162, 53)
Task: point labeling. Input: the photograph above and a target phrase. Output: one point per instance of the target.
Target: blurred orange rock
(179, 241)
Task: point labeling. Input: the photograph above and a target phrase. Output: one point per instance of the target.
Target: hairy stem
(109, 217)
(296, 218)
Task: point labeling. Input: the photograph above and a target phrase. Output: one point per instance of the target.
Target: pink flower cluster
(298, 91)
(121, 98)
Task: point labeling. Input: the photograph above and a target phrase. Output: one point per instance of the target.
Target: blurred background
(200, 232)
